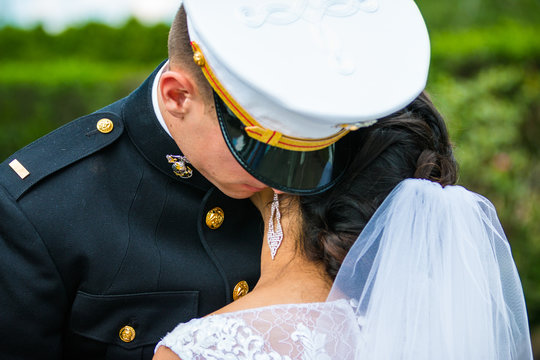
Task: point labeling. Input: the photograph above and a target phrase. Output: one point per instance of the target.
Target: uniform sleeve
(32, 295)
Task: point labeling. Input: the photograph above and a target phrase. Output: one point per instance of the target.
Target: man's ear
(176, 90)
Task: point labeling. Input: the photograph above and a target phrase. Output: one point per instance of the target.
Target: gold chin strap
(253, 128)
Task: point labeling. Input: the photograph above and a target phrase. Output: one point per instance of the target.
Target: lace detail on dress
(280, 332)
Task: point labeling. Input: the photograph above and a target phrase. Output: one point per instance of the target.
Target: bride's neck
(290, 274)
(290, 278)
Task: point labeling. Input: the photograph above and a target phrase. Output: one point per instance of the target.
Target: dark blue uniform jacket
(102, 235)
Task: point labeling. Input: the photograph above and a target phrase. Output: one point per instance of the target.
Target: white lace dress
(318, 331)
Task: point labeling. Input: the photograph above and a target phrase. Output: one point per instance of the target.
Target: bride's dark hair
(411, 143)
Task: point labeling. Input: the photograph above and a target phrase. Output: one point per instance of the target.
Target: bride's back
(297, 331)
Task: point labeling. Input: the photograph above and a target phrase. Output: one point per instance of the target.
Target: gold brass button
(105, 126)
(241, 289)
(127, 334)
(214, 218)
(198, 57)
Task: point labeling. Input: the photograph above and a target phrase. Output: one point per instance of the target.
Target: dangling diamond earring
(179, 166)
(274, 237)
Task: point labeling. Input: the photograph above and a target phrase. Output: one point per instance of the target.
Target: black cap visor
(295, 172)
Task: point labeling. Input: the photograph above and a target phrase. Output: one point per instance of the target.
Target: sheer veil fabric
(430, 277)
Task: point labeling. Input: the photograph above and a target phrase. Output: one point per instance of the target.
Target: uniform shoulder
(58, 149)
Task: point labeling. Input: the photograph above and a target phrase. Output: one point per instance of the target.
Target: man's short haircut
(181, 53)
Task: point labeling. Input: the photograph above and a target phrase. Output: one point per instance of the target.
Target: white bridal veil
(432, 277)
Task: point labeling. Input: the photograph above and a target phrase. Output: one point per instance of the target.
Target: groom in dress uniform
(127, 221)
(108, 238)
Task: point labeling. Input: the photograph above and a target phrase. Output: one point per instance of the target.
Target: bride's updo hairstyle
(411, 143)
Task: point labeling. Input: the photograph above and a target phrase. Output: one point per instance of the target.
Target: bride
(394, 262)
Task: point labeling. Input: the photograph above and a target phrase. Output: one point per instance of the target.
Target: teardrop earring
(274, 237)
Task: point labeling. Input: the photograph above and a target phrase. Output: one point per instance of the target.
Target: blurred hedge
(494, 122)
(38, 97)
(486, 81)
(459, 14)
(132, 43)
(47, 80)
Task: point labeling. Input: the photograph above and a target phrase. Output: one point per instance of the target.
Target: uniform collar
(155, 102)
(150, 138)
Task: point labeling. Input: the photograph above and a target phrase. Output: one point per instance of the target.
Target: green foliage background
(485, 79)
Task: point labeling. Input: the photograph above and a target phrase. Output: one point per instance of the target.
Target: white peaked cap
(309, 68)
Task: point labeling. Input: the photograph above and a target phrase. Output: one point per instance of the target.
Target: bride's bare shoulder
(164, 353)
